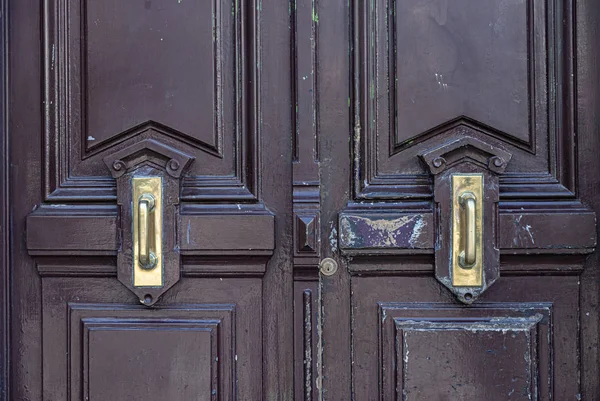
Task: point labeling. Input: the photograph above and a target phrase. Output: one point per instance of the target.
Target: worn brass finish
(147, 231)
(468, 255)
(467, 230)
(145, 207)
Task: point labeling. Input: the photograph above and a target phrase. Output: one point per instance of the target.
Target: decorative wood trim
(306, 226)
(239, 242)
(454, 151)
(171, 160)
(563, 229)
(233, 264)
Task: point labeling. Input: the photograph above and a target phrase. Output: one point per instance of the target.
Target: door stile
(587, 89)
(276, 158)
(335, 147)
(304, 28)
(24, 150)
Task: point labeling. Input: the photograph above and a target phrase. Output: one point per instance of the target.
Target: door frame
(5, 209)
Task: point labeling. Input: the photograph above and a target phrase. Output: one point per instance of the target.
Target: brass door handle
(147, 258)
(468, 255)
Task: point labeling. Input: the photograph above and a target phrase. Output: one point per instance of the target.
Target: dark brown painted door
(505, 91)
(103, 94)
(309, 230)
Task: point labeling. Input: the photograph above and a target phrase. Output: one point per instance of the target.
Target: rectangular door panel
(429, 348)
(118, 72)
(202, 342)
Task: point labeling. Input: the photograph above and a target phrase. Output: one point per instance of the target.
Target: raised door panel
(201, 341)
(500, 70)
(516, 342)
(120, 72)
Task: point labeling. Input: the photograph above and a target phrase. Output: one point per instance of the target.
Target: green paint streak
(372, 90)
(315, 16)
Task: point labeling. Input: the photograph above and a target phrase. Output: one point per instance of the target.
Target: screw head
(174, 164)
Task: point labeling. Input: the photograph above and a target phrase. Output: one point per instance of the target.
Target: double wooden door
(309, 200)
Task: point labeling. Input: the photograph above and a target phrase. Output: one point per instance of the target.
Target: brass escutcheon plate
(144, 188)
(467, 186)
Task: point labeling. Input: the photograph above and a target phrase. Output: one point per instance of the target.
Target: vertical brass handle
(147, 258)
(468, 255)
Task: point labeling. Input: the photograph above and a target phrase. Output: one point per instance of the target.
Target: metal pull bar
(147, 258)
(468, 255)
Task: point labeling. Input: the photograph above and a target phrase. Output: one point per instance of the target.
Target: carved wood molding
(381, 230)
(455, 151)
(148, 151)
(239, 242)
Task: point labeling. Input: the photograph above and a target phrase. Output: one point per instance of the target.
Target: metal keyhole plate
(328, 267)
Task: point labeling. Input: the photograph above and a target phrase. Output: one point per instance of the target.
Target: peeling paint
(417, 231)
(333, 238)
(53, 57)
(405, 231)
(528, 229)
(356, 138)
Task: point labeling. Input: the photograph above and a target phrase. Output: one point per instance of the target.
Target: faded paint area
(385, 231)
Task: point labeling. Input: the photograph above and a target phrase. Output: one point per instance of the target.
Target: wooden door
(196, 95)
(306, 154)
(413, 95)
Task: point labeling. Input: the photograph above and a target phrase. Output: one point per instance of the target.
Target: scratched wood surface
(308, 126)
